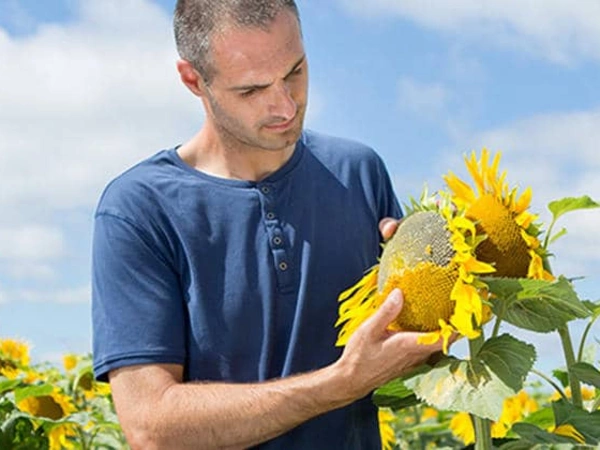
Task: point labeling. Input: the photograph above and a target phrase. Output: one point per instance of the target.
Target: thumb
(388, 311)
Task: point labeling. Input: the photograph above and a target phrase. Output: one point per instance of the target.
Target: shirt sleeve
(388, 203)
(138, 310)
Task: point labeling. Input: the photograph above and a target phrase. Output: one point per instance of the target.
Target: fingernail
(394, 296)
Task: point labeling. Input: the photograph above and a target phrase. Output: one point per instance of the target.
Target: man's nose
(281, 102)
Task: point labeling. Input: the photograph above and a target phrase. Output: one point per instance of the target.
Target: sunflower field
(44, 407)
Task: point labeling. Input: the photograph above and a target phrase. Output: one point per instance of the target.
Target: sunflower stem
(483, 427)
(584, 338)
(499, 318)
(567, 345)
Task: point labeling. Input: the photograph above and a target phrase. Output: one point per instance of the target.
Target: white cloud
(559, 30)
(31, 243)
(81, 102)
(65, 296)
(87, 99)
(427, 100)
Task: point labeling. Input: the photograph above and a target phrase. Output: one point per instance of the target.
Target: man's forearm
(237, 416)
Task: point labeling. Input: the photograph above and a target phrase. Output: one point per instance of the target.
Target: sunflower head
(418, 260)
(502, 216)
(55, 405)
(14, 351)
(430, 258)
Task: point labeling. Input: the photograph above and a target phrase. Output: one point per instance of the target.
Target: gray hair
(197, 21)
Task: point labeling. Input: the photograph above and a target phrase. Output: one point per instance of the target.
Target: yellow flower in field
(15, 351)
(503, 217)
(92, 388)
(587, 393)
(569, 431)
(61, 437)
(461, 426)
(70, 361)
(429, 413)
(431, 259)
(388, 436)
(54, 406)
(10, 371)
(514, 409)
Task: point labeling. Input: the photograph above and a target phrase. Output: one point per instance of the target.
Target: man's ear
(190, 77)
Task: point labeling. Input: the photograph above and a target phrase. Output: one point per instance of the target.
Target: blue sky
(89, 87)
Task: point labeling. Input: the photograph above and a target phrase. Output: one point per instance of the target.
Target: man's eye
(247, 93)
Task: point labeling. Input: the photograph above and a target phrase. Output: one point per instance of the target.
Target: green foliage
(395, 395)
(480, 385)
(45, 408)
(536, 305)
(568, 204)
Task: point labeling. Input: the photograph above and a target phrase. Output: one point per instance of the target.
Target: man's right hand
(375, 355)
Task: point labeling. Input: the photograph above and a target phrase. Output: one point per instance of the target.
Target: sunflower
(501, 215)
(62, 437)
(55, 405)
(386, 431)
(431, 259)
(14, 351)
(514, 409)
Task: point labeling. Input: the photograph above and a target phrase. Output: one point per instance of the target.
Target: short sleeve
(138, 310)
(388, 205)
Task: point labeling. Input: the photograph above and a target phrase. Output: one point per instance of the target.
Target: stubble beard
(238, 136)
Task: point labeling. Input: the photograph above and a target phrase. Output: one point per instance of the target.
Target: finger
(387, 312)
(387, 227)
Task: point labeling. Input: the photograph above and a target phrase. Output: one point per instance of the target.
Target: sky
(89, 87)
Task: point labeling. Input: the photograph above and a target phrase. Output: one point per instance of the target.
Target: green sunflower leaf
(478, 386)
(562, 376)
(586, 423)
(536, 305)
(32, 391)
(395, 395)
(543, 418)
(510, 359)
(534, 434)
(586, 373)
(568, 204)
(8, 385)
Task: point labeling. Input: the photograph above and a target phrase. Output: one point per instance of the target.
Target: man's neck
(209, 153)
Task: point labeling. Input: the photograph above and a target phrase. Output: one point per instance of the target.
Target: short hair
(195, 22)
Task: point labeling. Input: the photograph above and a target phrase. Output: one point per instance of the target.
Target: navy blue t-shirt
(237, 280)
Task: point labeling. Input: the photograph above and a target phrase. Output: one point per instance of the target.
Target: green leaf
(543, 418)
(562, 376)
(395, 395)
(536, 435)
(510, 359)
(594, 307)
(32, 391)
(478, 386)
(536, 305)
(568, 204)
(586, 423)
(8, 385)
(586, 373)
(558, 235)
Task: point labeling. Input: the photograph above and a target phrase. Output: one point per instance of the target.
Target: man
(217, 264)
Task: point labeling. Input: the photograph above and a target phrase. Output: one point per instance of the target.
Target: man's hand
(375, 355)
(388, 226)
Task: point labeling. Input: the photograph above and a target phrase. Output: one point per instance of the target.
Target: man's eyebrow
(262, 86)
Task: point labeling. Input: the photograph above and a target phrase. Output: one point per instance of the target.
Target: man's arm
(157, 410)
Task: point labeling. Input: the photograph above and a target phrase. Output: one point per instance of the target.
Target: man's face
(257, 97)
